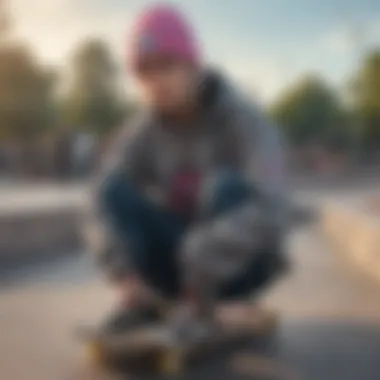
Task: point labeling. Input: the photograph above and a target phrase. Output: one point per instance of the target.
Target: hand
(132, 290)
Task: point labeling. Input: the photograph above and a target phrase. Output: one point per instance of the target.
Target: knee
(225, 191)
(115, 193)
(228, 183)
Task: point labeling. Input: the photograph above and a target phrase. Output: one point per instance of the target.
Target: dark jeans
(154, 235)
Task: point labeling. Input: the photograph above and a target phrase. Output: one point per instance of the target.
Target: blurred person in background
(83, 151)
(63, 156)
(191, 205)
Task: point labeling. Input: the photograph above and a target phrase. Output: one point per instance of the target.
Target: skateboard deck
(152, 347)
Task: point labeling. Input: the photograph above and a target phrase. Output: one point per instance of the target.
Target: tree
(93, 100)
(366, 95)
(309, 111)
(26, 102)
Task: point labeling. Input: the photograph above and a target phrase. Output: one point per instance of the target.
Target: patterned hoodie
(230, 134)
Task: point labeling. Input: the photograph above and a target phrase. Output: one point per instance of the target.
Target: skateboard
(152, 347)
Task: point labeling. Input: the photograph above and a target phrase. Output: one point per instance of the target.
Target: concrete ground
(330, 322)
(330, 328)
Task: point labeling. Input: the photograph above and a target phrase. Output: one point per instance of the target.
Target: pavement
(329, 330)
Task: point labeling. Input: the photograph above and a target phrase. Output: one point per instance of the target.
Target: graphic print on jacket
(184, 192)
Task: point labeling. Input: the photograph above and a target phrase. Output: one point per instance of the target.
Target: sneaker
(188, 329)
(124, 319)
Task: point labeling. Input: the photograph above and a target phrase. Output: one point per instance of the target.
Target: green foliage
(26, 103)
(93, 100)
(309, 111)
(367, 99)
(26, 97)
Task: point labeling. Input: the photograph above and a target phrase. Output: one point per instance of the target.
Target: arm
(104, 233)
(265, 170)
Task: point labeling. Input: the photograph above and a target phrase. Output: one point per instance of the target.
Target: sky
(263, 44)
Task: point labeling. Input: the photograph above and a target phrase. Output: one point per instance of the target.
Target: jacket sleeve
(265, 169)
(225, 245)
(103, 230)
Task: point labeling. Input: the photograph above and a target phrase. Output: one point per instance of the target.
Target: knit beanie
(162, 30)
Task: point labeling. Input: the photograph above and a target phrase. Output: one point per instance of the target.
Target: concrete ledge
(355, 234)
(39, 222)
(26, 237)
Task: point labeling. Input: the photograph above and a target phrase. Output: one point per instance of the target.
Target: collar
(211, 97)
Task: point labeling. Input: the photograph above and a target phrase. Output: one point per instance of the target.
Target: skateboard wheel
(95, 353)
(171, 362)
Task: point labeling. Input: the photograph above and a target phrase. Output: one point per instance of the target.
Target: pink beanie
(162, 29)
